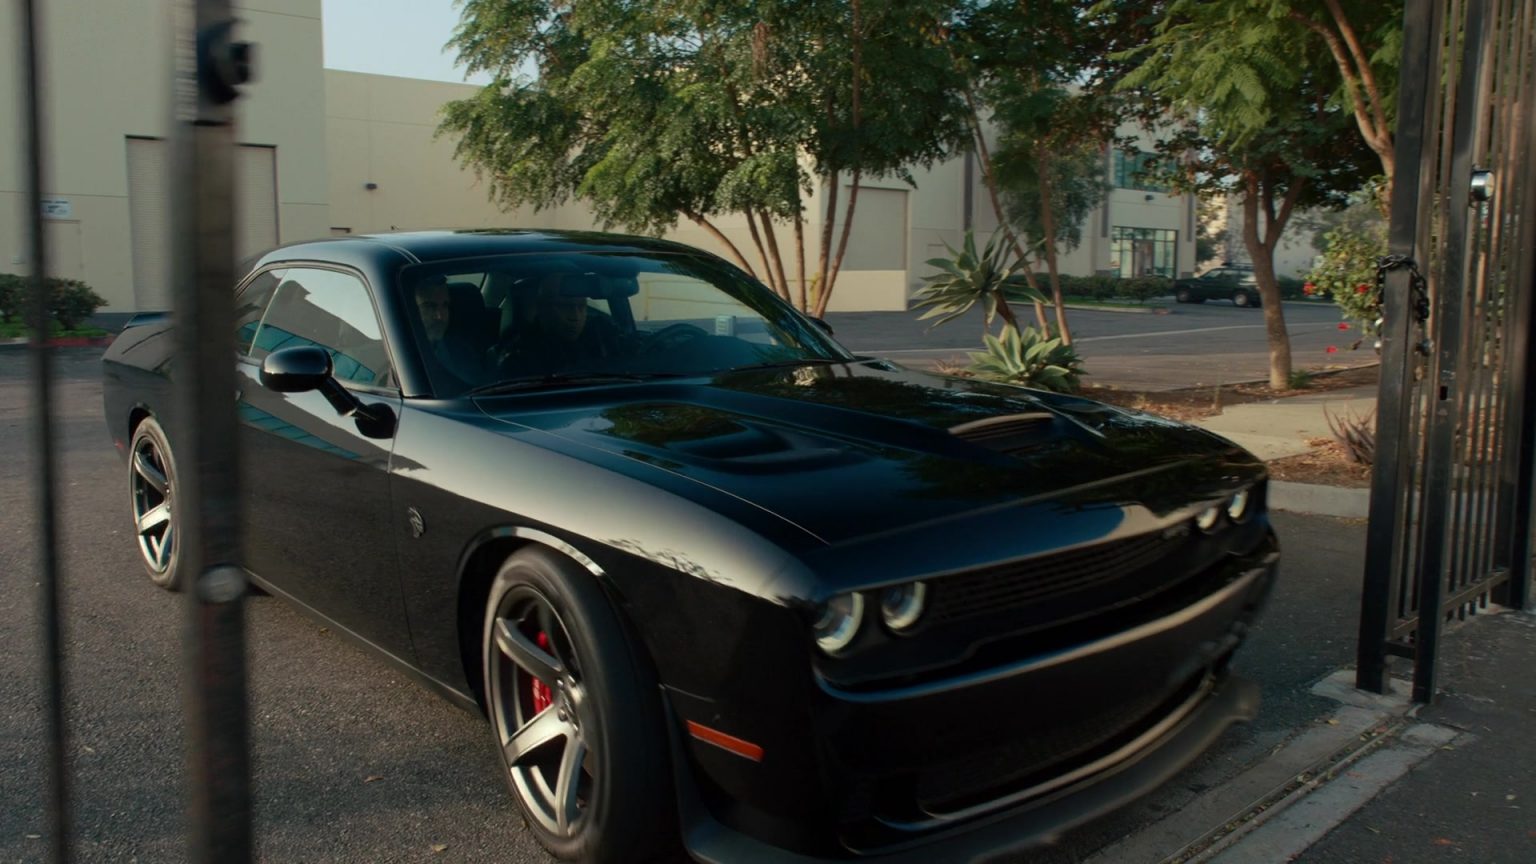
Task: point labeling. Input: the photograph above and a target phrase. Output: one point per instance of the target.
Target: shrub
(1144, 288)
(1346, 271)
(1025, 357)
(70, 301)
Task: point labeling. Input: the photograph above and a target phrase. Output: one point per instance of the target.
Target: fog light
(839, 622)
(1206, 519)
(902, 605)
(1237, 508)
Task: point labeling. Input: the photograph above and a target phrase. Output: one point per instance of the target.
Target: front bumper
(1020, 827)
(891, 759)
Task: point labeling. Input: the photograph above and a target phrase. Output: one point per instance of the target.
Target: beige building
(331, 152)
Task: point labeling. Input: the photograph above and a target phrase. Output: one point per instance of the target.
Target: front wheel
(1243, 298)
(575, 715)
(1182, 295)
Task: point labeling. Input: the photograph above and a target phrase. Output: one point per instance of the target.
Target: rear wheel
(575, 715)
(1182, 295)
(152, 484)
(1243, 298)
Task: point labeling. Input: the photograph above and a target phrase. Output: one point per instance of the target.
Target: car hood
(865, 449)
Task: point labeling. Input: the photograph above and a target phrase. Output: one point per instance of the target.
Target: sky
(392, 37)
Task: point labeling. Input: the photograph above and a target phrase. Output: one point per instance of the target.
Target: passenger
(564, 334)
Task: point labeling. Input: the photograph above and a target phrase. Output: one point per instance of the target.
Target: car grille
(1034, 580)
(994, 770)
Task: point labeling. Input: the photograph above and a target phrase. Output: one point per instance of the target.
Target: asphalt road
(354, 763)
(1205, 344)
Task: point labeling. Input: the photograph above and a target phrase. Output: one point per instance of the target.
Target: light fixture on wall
(370, 186)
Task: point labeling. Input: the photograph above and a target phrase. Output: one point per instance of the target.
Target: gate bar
(218, 759)
(1439, 482)
(57, 796)
(1389, 492)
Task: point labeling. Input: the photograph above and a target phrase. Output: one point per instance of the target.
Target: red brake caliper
(542, 698)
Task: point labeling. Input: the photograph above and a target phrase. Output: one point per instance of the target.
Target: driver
(562, 333)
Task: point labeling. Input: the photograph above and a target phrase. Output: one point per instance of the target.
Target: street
(1206, 344)
(355, 763)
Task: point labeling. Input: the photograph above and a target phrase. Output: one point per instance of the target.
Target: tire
(1182, 295)
(152, 491)
(1243, 299)
(616, 803)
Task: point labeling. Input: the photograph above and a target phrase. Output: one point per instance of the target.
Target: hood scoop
(720, 442)
(1011, 433)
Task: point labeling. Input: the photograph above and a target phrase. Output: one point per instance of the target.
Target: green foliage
(1346, 272)
(1300, 379)
(70, 301)
(968, 278)
(651, 112)
(1139, 289)
(1027, 358)
(1077, 186)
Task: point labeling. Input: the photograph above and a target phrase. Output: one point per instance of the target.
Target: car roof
(427, 246)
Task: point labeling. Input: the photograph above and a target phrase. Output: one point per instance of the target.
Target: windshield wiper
(787, 364)
(561, 378)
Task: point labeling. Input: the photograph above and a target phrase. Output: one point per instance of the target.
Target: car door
(317, 488)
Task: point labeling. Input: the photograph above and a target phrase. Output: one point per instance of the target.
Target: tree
(651, 112)
(1256, 115)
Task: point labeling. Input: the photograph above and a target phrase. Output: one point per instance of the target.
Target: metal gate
(1450, 518)
(211, 67)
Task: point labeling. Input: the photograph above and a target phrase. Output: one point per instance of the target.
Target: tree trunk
(800, 254)
(762, 254)
(1048, 225)
(985, 157)
(842, 247)
(774, 258)
(827, 222)
(724, 240)
(1263, 255)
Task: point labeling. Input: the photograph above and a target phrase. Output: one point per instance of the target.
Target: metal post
(1388, 508)
(213, 66)
(43, 438)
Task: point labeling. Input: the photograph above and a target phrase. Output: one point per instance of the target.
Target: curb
(1128, 310)
(59, 342)
(1315, 500)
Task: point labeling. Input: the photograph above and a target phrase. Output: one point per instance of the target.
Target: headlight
(1206, 519)
(902, 605)
(1237, 508)
(839, 622)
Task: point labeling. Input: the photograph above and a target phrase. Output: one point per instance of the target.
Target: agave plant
(968, 278)
(1027, 358)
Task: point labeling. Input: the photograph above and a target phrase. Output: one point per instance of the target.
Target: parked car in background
(1227, 282)
(711, 577)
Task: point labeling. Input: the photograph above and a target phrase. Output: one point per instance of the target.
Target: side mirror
(824, 325)
(308, 367)
(296, 370)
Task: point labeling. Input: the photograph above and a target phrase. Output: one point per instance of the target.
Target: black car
(709, 575)
(1227, 282)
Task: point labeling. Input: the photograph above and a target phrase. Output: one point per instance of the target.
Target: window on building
(1144, 251)
(1133, 170)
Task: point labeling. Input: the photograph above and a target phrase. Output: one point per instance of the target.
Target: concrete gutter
(1315, 500)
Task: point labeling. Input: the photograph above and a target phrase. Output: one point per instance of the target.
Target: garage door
(149, 214)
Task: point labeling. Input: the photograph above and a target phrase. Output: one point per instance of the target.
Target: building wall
(107, 77)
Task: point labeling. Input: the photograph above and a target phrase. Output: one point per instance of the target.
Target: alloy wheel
(153, 516)
(541, 712)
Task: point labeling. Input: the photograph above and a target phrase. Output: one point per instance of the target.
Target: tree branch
(1375, 137)
(1372, 91)
(774, 257)
(700, 221)
(762, 252)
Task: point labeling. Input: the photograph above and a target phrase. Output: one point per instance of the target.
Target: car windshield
(530, 320)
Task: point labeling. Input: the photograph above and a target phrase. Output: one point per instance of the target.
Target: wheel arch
(481, 560)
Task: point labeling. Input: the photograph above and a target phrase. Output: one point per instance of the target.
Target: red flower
(1362, 288)
(1309, 288)
(1343, 326)
(1332, 350)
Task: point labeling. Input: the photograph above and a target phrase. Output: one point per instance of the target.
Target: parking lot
(352, 761)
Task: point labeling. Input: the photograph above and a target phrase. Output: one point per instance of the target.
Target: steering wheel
(673, 335)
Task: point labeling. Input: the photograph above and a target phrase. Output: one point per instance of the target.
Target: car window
(250, 304)
(330, 309)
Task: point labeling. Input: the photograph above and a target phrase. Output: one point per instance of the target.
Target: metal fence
(210, 69)
(1450, 517)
